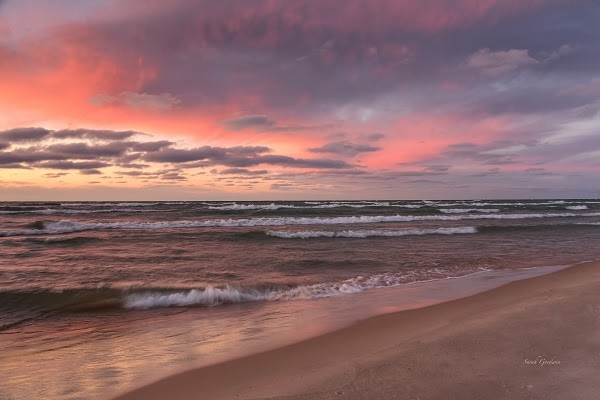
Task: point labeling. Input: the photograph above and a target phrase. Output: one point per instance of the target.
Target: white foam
(236, 206)
(371, 233)
(576, 207)
(55, 211)
(468, 210)
(66, 226)
(315, 205)
(123, 204)
(212, 295)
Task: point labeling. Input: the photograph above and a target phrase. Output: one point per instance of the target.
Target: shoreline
(410, 348)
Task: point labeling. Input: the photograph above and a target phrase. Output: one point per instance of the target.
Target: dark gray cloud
(537, 171)
(14, 166)
(242, 171)
(19, 135)
(171, 155)
(30, 134)
(262, 123)
(133, 165)
(237, 157)
(90, 172)
(301, 162)
(483, 153)
(4, 146)
(437, 168)
(341, 57)
(105, 149)
(344, 148)
(56, 175)
(149, 146)
(374, 137)
(81, 165)
(173, 176)
(489, 172)
(93, 134)
(248, 121)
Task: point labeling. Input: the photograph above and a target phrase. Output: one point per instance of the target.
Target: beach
(536, 338)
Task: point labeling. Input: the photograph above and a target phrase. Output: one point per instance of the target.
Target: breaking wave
(53, 211)
(211, 296)
(371, 233)
(47, 301)
(65, 226)
(468, 210)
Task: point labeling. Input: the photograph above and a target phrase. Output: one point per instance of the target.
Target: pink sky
(262, 99)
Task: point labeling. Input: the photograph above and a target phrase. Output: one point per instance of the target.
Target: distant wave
(65, 226)
(582, 207)
(468, 210)
(307, 205)
(58, 211)
(122, 204)
(235, 206)
(370, 233)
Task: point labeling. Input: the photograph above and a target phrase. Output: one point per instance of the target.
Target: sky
(299, 99)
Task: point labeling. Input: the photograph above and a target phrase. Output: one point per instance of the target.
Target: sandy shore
(533, 339)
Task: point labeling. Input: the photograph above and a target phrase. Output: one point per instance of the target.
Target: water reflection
(78, 357)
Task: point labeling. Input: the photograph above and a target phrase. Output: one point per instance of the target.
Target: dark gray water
(109, 288)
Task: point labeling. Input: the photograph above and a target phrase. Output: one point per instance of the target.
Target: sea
(97, 298)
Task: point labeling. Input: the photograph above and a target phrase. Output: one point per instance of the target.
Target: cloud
(299, 162)
(170, 155)
(437, 168)
(13, 166)
(262, 123)
(19, 135)
(93, 134)
(102, 149)
(489, 172)
(163, 101)
(562, 51)
(56, 175)
(344, 148)
(537, 171)
(248, 121)
(483, 153)
(90, 172)
(242, 171)
(237, 157)
(82, 165)
(374, 137)
(495, 63)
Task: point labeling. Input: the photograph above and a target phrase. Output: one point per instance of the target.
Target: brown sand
(477, 347)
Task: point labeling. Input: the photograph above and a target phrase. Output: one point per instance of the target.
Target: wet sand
(537, 338)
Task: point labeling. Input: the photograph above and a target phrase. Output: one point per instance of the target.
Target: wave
(370, 233)
(236, 206)
(581, 207)
(62, 240)
(75, 211)
(211, 296)
(122, 204)
(43, 302)
(307, 205)
(65, 226)
(468, 210)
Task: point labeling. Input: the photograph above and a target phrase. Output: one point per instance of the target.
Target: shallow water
(95, 296)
